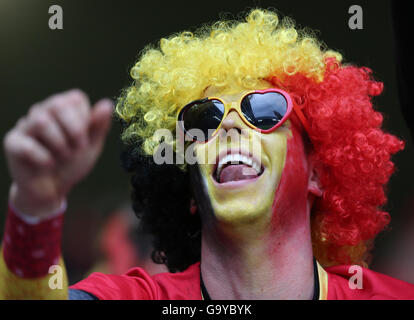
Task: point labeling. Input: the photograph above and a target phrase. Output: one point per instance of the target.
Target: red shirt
(333, 284)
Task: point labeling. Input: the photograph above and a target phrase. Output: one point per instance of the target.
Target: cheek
(291, 195)
(205, 156)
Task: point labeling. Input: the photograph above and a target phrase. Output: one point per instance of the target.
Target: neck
(272, 264)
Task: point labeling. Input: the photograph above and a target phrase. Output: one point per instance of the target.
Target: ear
(314, 185)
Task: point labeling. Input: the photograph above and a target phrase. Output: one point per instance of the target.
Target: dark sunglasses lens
(201, 119)
(264, 110)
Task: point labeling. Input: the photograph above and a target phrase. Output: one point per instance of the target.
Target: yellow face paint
(244, 201)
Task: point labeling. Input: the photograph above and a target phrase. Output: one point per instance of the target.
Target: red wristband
(30, 249)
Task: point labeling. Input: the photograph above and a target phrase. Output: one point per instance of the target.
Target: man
(241, 222)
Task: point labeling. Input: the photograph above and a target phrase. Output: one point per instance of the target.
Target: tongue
(236, 172)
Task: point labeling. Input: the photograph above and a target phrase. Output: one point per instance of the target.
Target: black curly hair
(161, 197)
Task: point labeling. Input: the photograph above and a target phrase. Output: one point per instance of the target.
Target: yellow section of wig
(223, 54)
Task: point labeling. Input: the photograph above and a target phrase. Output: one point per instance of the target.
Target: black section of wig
(161, 197)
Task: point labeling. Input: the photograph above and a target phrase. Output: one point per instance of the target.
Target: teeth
(256, 167)
(235, 159)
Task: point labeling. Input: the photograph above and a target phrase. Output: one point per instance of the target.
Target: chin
(239, 212)
(242, 202)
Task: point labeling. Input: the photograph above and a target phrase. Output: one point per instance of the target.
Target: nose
(233, 122)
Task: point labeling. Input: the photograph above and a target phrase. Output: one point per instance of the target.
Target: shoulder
(355, 282)
(137, 284)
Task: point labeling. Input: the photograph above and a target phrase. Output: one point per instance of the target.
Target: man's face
(244, 191)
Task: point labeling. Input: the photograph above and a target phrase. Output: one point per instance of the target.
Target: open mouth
(237, 167)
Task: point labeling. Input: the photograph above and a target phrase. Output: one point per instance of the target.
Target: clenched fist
(52, 148)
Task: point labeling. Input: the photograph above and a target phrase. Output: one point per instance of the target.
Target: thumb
(100, 120)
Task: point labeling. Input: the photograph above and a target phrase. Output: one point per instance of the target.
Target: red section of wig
(352, 157)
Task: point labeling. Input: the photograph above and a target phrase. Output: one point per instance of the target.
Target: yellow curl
(221, 54)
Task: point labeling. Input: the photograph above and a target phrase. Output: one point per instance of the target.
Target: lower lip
(235, 184)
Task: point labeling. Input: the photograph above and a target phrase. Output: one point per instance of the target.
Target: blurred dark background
(100, 42)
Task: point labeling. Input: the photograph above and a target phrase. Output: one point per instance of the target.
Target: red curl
(353, 156)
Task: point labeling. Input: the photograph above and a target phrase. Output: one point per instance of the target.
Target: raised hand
(52, 148)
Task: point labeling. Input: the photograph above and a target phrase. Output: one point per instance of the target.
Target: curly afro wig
(351, 151)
